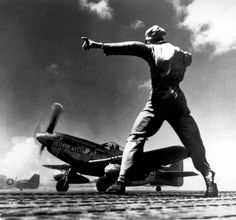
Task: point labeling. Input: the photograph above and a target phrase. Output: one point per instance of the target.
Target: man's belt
(166, 93)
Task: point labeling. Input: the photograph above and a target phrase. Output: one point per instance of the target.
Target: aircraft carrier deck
(138, 203)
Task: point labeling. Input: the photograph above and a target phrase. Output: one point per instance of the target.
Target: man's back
(169, 62)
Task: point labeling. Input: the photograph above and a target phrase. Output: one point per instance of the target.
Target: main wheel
(104, 182)
(62, 186)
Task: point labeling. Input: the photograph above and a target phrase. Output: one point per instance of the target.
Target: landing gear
(62, 185)
(104, 182)
(158, 188)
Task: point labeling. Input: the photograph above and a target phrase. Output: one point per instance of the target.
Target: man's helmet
(154, 34)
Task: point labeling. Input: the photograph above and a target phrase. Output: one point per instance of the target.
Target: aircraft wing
(58, 167)
(92, 167)
(116, 159)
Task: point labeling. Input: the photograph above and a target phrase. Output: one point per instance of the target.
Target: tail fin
(35, 179)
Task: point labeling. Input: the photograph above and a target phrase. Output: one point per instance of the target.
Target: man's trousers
(176, 112)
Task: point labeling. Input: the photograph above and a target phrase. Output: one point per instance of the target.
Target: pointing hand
(90, 44)
(86, 43)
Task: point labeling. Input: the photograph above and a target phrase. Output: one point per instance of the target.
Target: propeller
(57, 109)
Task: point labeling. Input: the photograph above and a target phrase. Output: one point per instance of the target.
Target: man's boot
(211, 186)
(117, 188)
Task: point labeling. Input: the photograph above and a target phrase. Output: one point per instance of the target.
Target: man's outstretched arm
(133, 48)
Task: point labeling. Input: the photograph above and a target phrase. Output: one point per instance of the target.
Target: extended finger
(85, 39)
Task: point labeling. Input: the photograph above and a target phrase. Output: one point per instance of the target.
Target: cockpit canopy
(111, 146)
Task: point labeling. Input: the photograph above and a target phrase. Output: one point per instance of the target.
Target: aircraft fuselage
(73, 150)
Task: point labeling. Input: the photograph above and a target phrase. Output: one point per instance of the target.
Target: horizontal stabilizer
(58, 167)
(178, 173)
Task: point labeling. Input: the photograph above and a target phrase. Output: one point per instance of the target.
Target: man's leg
(145, 126)
(187, 129)
(132, 151)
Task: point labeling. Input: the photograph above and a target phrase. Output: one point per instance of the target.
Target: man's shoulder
(168, 46)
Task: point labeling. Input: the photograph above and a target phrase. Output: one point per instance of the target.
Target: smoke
(23, 160)
(210, 22)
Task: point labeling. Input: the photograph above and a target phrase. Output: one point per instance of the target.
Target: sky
(42, 62)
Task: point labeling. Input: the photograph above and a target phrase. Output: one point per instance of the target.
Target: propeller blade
(57, 109)
(37, 129)
(41, 149)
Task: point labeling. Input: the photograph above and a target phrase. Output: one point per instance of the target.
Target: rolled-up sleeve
(132, 48)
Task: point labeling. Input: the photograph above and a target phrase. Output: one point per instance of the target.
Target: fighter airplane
(83, 157)
(8, 183)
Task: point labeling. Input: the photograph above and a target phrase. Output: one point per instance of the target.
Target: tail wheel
(104, 182)
(158, 188)
(62, 186)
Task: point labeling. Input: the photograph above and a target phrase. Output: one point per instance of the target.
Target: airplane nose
(45, 138)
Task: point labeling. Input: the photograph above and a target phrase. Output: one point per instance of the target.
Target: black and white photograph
(117, 109)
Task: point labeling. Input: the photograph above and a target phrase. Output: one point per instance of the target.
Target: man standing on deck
(168, 64)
